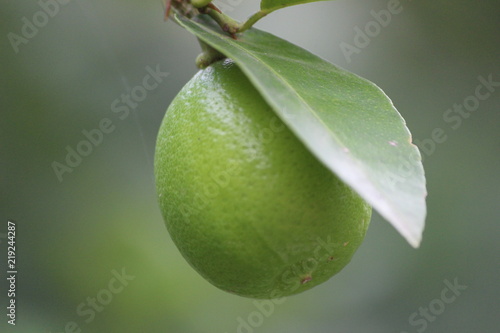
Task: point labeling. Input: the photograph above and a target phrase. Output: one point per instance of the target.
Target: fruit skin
(248, 206)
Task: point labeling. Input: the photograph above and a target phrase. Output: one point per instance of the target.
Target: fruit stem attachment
(230, 25)
(208, 56)
(190, 8)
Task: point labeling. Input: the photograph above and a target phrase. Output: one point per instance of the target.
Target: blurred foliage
(103, 216)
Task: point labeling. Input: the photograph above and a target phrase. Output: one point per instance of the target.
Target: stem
(227, 23)
(230, 25)
(188, 9)
(253, 19)
(208, 56)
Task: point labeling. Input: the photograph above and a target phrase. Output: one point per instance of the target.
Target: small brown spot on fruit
(331, 258)
(306, 279)
(345, 244)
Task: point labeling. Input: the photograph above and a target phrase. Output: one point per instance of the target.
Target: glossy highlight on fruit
(247, 205)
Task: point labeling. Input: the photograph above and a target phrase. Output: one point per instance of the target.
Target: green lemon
(248, 206)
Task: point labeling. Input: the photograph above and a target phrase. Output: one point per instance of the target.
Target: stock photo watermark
(453, 117)
(425, 315)
(30, 27)
(255, 319)
(121, 107)
(11, 271)
(87, 310)
(363, 36)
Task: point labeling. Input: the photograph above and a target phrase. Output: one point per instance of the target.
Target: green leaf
(271, 5)
(347, 122)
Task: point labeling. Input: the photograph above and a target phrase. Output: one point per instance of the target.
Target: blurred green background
(74, 236)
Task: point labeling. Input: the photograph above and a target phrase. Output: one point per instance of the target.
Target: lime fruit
(248, 206)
